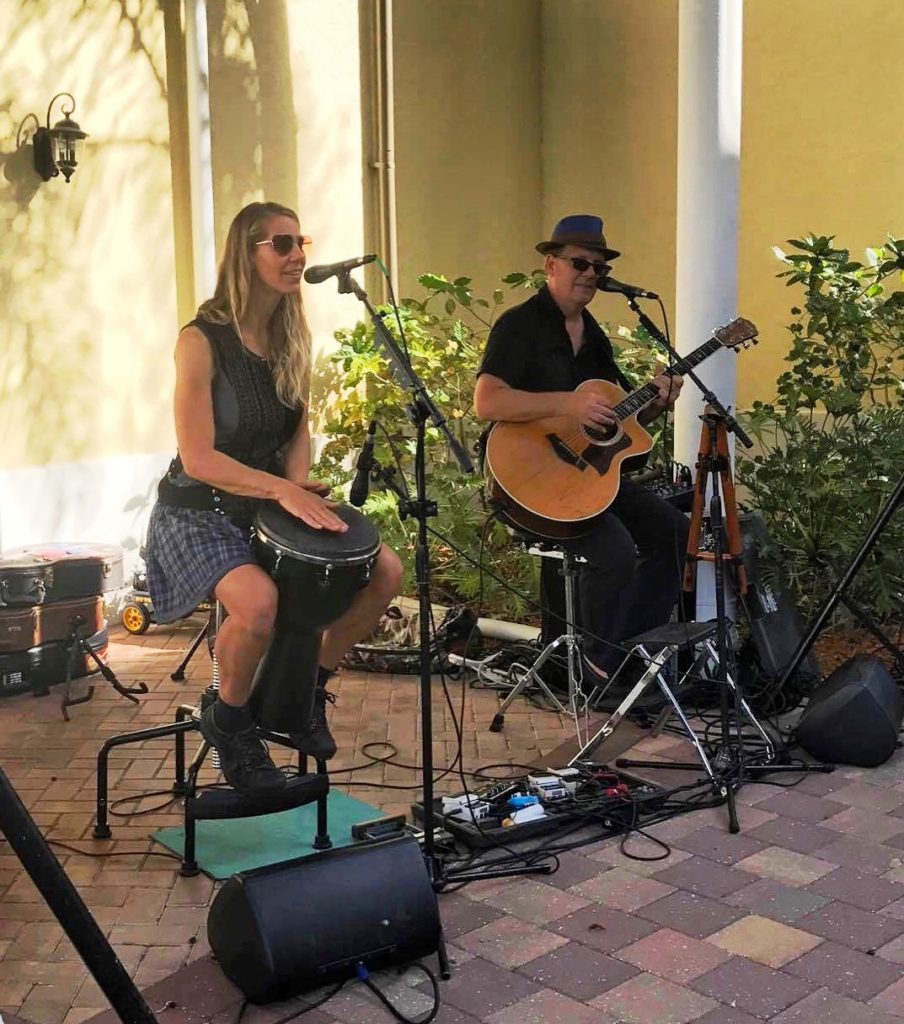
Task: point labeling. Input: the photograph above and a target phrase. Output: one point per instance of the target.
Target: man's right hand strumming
(590, 409)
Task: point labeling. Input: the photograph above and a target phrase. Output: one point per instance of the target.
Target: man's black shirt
(530, 349)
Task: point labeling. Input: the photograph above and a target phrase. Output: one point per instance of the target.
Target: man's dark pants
(633, 574)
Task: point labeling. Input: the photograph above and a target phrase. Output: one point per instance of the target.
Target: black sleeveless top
(251, 425)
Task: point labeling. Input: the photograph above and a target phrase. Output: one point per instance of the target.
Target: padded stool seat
(215, 804)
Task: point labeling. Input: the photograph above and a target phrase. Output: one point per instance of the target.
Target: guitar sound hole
(602, 434)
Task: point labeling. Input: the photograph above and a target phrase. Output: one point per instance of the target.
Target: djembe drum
(318, 573)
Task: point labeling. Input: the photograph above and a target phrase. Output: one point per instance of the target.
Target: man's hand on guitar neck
(669, 390)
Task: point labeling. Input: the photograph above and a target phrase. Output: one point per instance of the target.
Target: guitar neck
(644, 395)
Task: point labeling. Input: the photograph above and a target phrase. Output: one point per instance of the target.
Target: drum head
(279, 530)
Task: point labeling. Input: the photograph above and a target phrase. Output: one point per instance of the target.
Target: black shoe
(316, 741)
(244, 760)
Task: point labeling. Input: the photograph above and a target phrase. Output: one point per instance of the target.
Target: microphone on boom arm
(361, 484)
(322, 271)
(609, 284)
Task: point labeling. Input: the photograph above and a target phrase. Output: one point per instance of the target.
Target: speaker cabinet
(283, 929)
(775, 626)
(855, 716)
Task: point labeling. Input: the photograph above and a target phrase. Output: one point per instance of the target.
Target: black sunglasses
(580, 264)
(284, 244)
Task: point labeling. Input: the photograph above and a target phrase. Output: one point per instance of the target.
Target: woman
(242, 380)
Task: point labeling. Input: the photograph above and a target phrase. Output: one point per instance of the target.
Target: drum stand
(421, 508)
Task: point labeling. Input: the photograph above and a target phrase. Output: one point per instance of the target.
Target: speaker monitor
(775, 626)
(855, 716)
(280, 930)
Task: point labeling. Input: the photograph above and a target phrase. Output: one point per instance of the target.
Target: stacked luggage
(51, 610)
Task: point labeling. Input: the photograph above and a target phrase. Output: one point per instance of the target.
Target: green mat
(240, 844)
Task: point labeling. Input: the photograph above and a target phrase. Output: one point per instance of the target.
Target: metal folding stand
(730, 765)
(656, 648)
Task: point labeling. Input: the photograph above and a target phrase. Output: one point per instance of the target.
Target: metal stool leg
(571, 641)
(653, 672)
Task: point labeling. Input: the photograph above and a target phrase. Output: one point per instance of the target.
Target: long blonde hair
(290, 336)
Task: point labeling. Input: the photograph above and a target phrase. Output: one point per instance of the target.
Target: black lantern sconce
(56, 148)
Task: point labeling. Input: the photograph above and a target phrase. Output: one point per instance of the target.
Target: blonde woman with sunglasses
(243, 368)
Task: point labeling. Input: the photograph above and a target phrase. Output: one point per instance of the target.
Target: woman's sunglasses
(284, 244)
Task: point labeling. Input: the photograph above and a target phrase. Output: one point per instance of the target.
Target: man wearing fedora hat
(536, 355)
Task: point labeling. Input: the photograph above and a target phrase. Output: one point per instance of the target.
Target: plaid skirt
(188, 552)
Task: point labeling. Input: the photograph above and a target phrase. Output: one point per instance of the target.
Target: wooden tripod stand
(718, 461)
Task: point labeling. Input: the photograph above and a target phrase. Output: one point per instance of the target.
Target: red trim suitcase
(24, 628)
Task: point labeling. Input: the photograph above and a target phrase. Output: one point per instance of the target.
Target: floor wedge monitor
(286, 928)
(855, 716)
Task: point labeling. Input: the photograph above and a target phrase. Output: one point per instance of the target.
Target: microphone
(361, 484)
(609, 284)
(314, 275)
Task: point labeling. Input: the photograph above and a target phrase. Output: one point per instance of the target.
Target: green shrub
(832, 444)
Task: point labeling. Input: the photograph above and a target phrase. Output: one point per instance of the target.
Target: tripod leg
(532, 676)
(178, 674)
(608, 727)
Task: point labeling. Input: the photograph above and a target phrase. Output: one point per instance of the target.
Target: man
(536, 356)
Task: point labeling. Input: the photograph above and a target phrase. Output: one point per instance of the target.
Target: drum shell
(310, 596)
(282, 696)
(317, 572)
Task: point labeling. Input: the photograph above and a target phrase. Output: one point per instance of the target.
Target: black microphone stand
(729, 760)
(423, 408)
(895, 501)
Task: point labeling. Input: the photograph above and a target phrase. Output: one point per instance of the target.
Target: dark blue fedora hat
(579, 229)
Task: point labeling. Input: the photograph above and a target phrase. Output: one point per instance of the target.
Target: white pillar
(198, 79)
(709, 146)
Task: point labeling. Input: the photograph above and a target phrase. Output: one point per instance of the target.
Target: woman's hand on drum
(311, 508)
(317, 486)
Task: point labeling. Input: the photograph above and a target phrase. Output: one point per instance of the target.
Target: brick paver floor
(798, 918)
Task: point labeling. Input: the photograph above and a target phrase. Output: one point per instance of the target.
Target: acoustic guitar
(553, 476)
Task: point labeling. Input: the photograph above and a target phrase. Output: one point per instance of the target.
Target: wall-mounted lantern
(56, 148)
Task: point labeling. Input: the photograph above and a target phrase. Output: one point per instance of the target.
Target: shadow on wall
(252, 109)
(69, 274)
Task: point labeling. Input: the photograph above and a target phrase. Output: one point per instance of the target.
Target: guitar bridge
(566, 454)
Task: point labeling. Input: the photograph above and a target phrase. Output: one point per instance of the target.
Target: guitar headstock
(738, 334)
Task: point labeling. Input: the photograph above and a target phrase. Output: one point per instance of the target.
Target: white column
(709, 145)
(198, 81)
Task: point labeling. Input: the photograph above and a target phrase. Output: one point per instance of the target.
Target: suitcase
(24, 628)
(58, 572)
(43, 666)
(22, 580)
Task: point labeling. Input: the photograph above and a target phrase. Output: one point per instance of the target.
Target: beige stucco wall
(822, 149)
(468, 137)
(87, 291)
(610, 132)
(286, 110)
(508, 114)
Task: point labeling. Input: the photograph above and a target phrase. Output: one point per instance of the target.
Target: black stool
(215, 804)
